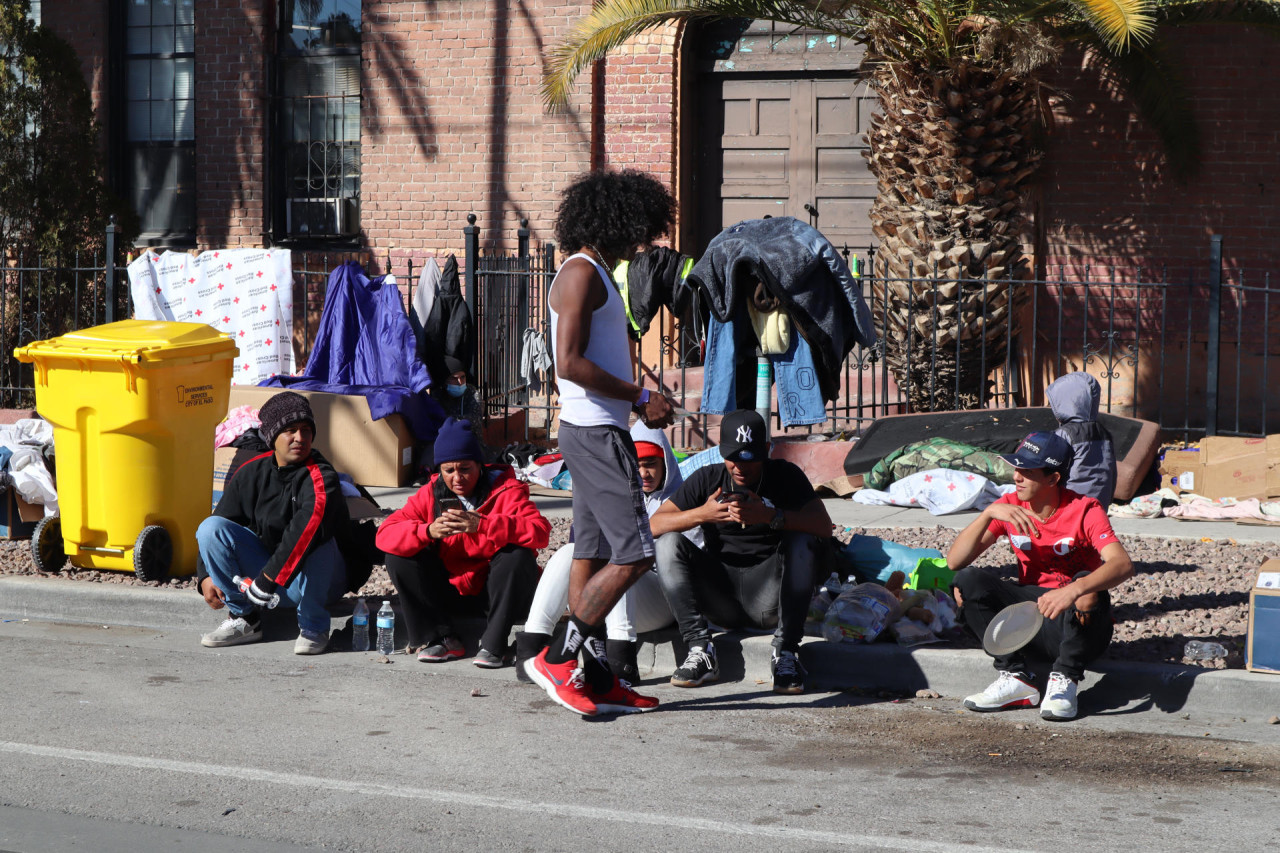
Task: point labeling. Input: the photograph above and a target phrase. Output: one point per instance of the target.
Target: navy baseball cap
(742, 437)
(1046, 450)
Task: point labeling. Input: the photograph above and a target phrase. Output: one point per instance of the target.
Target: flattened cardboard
(17, 517)
(1225, 467)
(371, 452)
(1262, 646)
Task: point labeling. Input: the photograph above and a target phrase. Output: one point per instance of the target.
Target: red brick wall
(1109, 197)
(231, 99)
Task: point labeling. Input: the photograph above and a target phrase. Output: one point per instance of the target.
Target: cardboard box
(17, 517)
(1222, 467)
(1262, 647)
(357, 507)
(371, 452)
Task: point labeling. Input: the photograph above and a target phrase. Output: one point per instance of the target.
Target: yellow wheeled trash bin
(133, 405)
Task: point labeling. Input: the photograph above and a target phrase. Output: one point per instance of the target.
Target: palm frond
(1119, 23)
(614, 22)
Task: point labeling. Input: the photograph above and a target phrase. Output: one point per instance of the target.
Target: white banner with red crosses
(247, 293)
(939, 490)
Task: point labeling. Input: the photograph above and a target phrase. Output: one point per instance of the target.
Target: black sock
(567, 640)
(595, 663)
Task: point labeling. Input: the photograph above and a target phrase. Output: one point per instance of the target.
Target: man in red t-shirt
(1068, 557)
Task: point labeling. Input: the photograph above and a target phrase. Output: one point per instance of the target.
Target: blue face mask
(456, 390)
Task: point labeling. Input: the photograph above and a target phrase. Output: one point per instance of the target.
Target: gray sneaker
(311, 642)
(235, 631)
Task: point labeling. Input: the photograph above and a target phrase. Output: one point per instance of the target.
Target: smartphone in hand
(731, 497)
(449, 502)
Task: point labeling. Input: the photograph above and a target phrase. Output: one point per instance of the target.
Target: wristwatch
(779, 519)
(642, 399)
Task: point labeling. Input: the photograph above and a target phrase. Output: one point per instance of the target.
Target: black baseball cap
(1046, 450)
(742, 437)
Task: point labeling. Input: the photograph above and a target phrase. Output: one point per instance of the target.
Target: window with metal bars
(317, 120)
(160, 135)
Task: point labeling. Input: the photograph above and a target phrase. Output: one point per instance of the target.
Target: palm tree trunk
(953, 155)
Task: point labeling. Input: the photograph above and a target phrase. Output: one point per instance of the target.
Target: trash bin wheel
(46, 545)
(153, 553)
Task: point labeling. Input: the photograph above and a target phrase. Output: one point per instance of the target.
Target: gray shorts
(609, 517)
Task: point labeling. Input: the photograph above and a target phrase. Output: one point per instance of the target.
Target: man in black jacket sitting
(274, 530)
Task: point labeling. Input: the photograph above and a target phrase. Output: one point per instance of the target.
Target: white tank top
(609, 348)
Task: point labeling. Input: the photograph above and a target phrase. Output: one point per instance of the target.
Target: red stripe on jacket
(317, 515)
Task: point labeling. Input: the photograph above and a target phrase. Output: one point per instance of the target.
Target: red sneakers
(621, 699)
(563, 683)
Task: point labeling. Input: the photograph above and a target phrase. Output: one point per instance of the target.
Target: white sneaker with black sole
(1009, 690)
(699, 667)
(1059, 698)
(234, 631)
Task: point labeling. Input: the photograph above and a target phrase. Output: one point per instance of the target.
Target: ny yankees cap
(742, 436)
(1041, 450)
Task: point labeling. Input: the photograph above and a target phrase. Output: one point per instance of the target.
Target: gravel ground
(1184, 589)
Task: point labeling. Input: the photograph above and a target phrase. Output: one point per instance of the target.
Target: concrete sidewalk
(1114, 687)
(1120, 687)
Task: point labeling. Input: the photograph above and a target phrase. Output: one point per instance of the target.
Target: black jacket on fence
(449, 330)
(804, 272)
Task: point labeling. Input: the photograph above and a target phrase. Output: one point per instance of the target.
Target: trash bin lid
(138, 341)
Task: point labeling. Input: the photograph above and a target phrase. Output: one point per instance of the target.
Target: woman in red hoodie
(470, 530)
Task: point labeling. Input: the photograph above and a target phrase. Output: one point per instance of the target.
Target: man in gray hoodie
(1074, 399)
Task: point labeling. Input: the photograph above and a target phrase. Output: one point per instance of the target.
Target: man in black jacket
(274, 529)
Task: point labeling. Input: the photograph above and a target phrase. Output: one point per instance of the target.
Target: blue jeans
(231, 549)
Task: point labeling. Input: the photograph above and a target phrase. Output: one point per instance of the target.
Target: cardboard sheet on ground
(247, 293)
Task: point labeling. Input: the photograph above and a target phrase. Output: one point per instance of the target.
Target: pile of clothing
(26, 451)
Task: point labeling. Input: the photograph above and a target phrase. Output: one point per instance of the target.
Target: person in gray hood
(1074, 399)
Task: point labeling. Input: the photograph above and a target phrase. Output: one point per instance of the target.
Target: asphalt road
(131, 739)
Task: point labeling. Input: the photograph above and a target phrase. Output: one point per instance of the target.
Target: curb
(880, 666)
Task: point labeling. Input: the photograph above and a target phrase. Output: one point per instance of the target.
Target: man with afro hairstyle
(603, 218)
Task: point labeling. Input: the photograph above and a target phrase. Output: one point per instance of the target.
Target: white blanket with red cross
(939, 490)
(247, 293)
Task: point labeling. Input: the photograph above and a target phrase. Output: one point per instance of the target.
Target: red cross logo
(157, 289)
(928, 478)
(951, 487)
(259, 273)
(198, 312)
(215, 254)
(273, 287)
(277, 322)
(228, 264)
(220, 287)
(268, 342)
(236, 300)
(226, 319)
(242, 333)
(969, 478)
(246, 367)
(264, 308)
(191, 280)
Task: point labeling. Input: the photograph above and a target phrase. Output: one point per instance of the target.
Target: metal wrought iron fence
(1192, 351)
(43, 297)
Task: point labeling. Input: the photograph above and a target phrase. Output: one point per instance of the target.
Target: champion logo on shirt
(1063, 546)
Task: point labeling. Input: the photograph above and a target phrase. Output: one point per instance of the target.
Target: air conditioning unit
(322, 217)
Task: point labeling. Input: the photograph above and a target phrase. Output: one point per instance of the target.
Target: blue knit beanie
(456, 442)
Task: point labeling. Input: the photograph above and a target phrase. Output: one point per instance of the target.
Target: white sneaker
(1008, 691)
(311, 643)
(1059, 698)
(235, 631)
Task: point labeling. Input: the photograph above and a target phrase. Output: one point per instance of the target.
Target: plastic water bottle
(245, 583)
(360, 627)
(1202, 650)
(386, 629)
